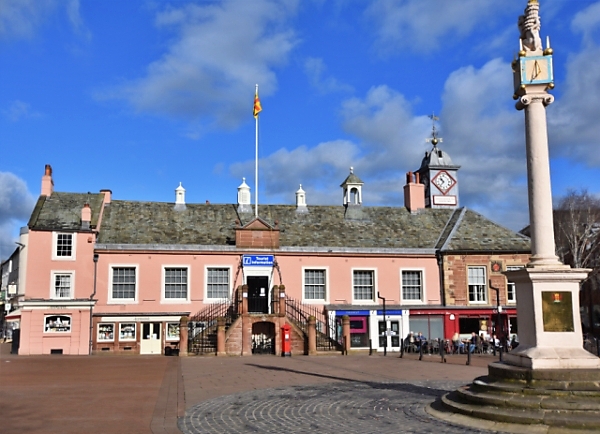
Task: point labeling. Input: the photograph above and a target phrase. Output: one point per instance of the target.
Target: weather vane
(434, 138)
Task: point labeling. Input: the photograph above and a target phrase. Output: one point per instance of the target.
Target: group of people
(476, 343)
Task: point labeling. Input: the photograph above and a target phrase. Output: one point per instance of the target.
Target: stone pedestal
(312, 335)
(550, 335)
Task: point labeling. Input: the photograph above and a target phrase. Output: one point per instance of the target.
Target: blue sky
(137, 96)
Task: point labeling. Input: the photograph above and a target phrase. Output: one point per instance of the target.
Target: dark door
(258, 294)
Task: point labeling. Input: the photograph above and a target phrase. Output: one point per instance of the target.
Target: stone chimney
(86, 217)
(414, 193)
(47, 182)
(180, 198)
(301, 207)
(107, 196)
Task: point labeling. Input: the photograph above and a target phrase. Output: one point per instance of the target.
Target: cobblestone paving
(349, 407)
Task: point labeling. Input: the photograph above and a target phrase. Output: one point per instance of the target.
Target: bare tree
(577, 234)
(577, 227)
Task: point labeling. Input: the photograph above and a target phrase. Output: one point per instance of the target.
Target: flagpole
(256, 165)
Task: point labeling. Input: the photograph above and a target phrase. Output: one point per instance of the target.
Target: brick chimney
(86, 217)
(107, 196)
(414, 193)
(47, 182)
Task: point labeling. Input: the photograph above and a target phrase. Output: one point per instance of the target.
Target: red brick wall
(233, 339)
(257, 238)
(456, 277)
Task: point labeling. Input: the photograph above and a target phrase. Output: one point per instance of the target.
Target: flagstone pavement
(266, 394)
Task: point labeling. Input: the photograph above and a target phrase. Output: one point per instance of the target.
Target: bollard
(442, 351)
(401, 348)
(370, 347)
(468, 356)
(501, 349)
(421, 350)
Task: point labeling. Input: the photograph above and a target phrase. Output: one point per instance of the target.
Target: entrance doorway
(151, 339)
(263, 338)
(258, 294)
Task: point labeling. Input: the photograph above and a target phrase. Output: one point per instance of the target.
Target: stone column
(282, 300)
(246, 335)
(221, 336)
(244, 299)
(183, 336)
(312, 335)
(538, 178)
(346, 333)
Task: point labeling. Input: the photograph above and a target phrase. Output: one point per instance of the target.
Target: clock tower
(439, 175)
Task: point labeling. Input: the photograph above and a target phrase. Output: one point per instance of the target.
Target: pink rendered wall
(35, 341)
(41, 265)
(339, 274)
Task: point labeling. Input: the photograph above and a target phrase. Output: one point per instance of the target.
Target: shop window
(431, 326)
(314, 285)
(127, 331)
(62, 285)
(124, 280)
(217, 283)
(477, 285)
(57, 324)
(412, 285)
(63, 245)
(106, 332)
(176, 283)
(363, 285)
(172, 331)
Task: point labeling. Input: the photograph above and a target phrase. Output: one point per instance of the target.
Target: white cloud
(424, 26)
(315, 69)
(16, 203)
(18, 110)
(220, 52)
(574, 130)
(22, 18)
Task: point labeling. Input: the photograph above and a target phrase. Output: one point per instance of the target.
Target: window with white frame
(314, 285)
(176, 283)
(363, 287)
(477, 285)
(123, 283)
(62, 285)
(412, 285)
(511, 289)
(217, 282)
(63, 245)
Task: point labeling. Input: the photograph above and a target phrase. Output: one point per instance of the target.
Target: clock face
(443, 181)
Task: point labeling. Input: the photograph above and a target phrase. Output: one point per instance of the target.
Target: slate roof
(62, 211)
(154, 223)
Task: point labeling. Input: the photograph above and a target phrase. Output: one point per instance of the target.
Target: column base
(551, 358)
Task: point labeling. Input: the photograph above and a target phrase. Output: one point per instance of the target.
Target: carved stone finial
(530, 26)
(351, 169)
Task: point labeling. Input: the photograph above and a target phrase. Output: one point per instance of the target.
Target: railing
(202, 327)
(299, 313)
(592, 345)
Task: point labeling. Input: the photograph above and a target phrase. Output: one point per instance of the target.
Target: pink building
(119, 276)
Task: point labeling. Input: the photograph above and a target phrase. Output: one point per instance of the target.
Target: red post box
(286, 341)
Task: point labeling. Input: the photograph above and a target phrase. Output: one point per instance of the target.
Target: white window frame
(163, 293)
(101, 339)
(324, 300)
(53, 275)
(125, 338)
(69, 327)
(215, 300)
(485, 285)
(410, 300)
(73, 256)
(361, 301)
(512, 284)
(112, 300)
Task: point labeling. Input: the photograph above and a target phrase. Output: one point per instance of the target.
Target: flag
(257, 106)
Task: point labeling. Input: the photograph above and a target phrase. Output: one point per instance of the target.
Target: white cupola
(352, 186)
(301, 201)
(180, 198)
(243, 197)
